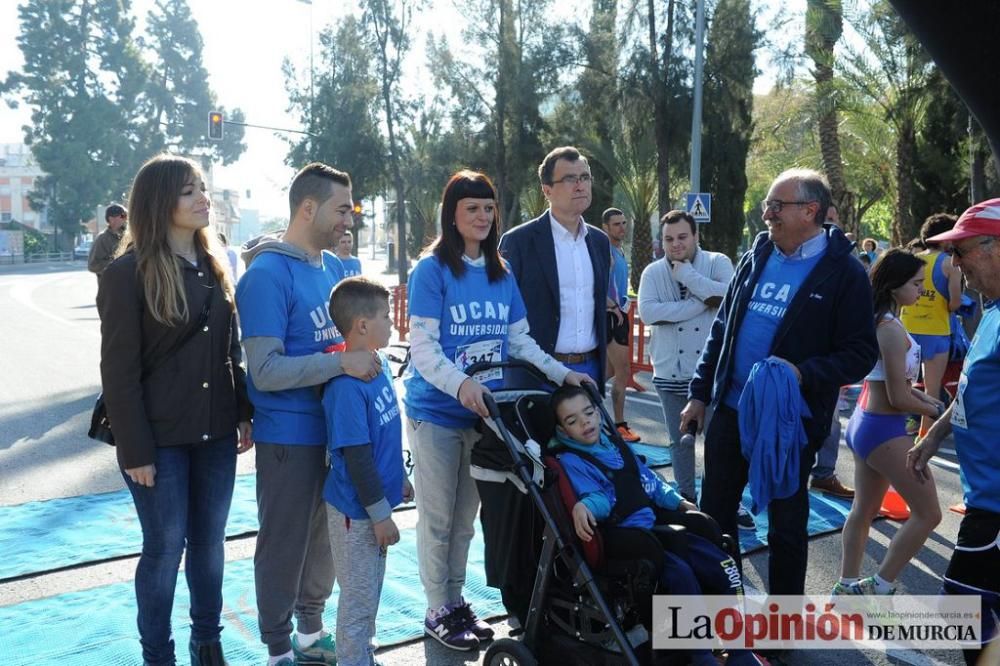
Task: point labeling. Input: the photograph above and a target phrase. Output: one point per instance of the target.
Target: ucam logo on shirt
(325, 330)
(386, 405)
(770, 299)
(477, 311)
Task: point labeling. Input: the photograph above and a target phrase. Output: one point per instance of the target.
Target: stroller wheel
(508, 652)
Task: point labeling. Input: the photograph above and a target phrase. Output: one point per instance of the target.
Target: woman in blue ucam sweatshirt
(465, 308)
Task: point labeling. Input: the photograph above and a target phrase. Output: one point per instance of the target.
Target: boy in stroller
(617, 490)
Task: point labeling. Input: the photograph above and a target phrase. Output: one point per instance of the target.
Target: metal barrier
(399, 317)
(44, 257)
(638, 336)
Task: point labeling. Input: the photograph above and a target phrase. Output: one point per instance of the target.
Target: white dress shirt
(577, 333)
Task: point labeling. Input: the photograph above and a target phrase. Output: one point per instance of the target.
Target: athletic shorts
(932, 345)
(619, 333)
(867, 431)
(975, 565)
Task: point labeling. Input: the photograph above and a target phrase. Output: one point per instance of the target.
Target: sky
(245, 43)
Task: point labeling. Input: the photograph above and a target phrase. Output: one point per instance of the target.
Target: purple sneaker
(483, 631)
(450, 629)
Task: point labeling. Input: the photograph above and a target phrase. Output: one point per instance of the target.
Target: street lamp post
(312, 69)
(699, 68)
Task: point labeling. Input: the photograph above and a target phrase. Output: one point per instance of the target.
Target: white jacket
(679, 328)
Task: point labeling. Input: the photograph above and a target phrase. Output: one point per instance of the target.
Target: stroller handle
(512, 364)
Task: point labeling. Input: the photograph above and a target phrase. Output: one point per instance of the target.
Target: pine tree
(345, 113)
(86, 85)
(728, 127)
(179, 93)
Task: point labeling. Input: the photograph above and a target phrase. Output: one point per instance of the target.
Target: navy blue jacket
(828, 331)
(532, 255)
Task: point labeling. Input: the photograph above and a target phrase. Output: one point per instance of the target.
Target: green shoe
(840, 588)
(321, 653)
(870, 587)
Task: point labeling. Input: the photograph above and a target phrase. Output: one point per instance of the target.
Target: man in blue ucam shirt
(282, 300)
(352, 265)
(801, 296)
(974, 419)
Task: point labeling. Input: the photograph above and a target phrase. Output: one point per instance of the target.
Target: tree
(633, 166)
(728, 128)
(658, 80)
(86, 85)
(387, 25)
(497, 90)
(824, 26)
(893, 73)
(345, 115)
(597, 113)
(178, 87)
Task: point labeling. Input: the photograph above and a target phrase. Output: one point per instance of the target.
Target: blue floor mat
(656, 456)
(97, 627)
(826, 514)
(49, 535)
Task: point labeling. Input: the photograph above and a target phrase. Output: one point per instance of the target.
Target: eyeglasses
(955, 252)
(775, 205)
(573, 179)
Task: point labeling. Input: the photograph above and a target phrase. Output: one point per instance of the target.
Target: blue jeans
(826, 457)
(187, 507)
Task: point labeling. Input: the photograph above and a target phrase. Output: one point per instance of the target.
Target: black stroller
(575, 602)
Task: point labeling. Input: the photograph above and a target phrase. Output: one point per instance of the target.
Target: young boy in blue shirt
(366, 478)
(625, 493)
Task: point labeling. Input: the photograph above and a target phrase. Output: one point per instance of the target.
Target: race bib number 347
(484, 351)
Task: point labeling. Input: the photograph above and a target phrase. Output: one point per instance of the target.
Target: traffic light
(215, 125)
(357, 208)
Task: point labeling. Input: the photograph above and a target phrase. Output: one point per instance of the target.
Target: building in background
(18, 174)
(226, 212)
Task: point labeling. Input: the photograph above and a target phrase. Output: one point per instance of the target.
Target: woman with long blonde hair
(176, 398)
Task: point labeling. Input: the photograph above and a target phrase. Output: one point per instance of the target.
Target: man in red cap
(974, 419)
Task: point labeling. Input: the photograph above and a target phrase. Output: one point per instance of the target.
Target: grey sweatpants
(682, 457)
(361, 565)
(447, 502)
(293, 566)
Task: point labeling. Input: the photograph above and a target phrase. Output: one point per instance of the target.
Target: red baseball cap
(983, 219)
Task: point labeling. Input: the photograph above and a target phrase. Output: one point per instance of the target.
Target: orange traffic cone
(894, 506)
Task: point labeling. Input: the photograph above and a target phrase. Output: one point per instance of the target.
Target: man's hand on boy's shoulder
(386, 533)
(584, 522)
(361, 364)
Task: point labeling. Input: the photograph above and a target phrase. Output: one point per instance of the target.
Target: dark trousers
(726, 474)
(185, 510)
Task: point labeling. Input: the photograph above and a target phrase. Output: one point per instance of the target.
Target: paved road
(49, 364)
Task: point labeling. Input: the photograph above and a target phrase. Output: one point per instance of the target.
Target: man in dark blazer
(562, 266)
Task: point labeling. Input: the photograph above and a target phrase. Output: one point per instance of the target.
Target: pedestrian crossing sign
(699, 206)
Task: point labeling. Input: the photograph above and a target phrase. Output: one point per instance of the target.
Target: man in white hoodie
(678, 299)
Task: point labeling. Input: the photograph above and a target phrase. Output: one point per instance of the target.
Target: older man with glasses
(800, 296)
(974, 420)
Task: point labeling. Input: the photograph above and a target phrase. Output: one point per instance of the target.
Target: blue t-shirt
(475, 315)
(773, 293)
(286, 298)
(975, 418)
(358, 413)
(352, 266)
(619, 275)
